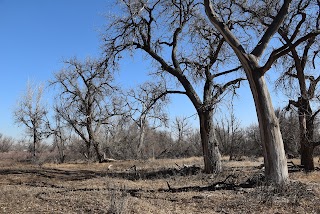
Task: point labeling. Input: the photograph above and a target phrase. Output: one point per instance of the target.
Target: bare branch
(272, 29)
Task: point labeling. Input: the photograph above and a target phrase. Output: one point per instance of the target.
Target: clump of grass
(291, 193)
(118, 201)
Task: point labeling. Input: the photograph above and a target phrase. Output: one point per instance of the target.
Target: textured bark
(98, 153)
(142, 133)
(274, 155)
(211, 153)
(306, 124)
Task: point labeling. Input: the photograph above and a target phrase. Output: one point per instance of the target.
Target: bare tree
(146, 110)
(182, 128)
(300, 67)
(185, 51)
(289, 125)
(31, 113)
(230, 134)
(61, 136)
(218, 13)
(6, 143)
(86, 101)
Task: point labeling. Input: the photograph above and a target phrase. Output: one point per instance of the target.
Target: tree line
(203, 50)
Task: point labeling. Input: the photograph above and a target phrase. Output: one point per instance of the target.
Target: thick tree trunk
(274, 155)
(306, 134)
(307, 157)
(211, 153)
(97, 150)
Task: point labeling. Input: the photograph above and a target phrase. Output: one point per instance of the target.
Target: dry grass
(99, 188)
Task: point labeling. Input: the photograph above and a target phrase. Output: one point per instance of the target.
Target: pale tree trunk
(210, 150)
(141, 140)
(274, 155)
(276, 169)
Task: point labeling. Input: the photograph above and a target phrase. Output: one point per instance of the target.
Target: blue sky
(37, 35)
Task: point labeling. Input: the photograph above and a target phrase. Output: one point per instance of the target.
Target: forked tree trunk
(276, 169)
(210, 149)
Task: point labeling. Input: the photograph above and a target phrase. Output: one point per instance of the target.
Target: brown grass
(98, 188)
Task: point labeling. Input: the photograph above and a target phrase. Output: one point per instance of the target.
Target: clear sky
(37, 35)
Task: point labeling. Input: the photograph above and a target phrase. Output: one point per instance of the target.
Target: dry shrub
(118, 201)
(291, 193)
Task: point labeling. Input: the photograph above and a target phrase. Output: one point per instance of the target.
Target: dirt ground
(152, 186)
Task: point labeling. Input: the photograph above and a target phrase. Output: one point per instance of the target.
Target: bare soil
(152, 186)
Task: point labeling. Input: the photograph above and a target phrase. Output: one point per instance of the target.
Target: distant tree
(182, 129)
(6, 143)
(301, 70)
(146, 109)
(57, 129)
(253, 145)
(289, 125)
(31, 113)
(230, 135)
(235, 20)
(86, 100)
(188, 53)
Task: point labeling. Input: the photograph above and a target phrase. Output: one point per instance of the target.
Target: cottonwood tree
(300, 68)
(86, 100)
(186, 51)
(146, 107)
(230, 19)
(61, 136)
(31, 113)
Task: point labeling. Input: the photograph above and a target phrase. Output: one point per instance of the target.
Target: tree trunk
(276, 169)
(307, 157)
(97, 150)
(306, 134)
(88, 152)
(34, 142)
(141, 140)
(210, 149)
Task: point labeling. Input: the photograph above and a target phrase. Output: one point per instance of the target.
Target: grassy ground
(153, 186)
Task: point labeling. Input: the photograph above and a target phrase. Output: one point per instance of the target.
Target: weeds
(291, 193)
(118, 201)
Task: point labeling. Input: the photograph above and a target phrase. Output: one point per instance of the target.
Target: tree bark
(142, 132)
(306, 125)
(97, 150)
(35, 137)
(274, 155)
(276, 169)
(210, 149)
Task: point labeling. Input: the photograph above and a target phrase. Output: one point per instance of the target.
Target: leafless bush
(6, 143)
(118, 202)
